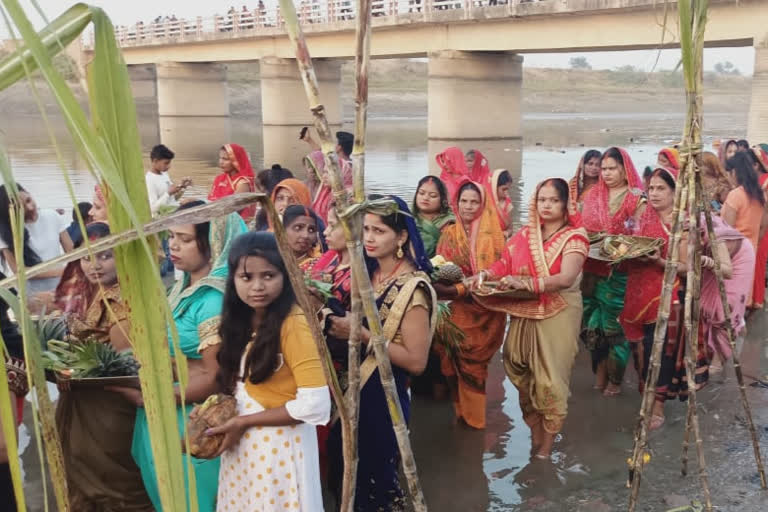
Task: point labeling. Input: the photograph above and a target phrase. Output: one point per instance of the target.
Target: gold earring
(399, 252)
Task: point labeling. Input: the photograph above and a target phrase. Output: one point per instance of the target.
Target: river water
(462, 469)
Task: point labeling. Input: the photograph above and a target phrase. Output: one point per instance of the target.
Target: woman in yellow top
(269, 454)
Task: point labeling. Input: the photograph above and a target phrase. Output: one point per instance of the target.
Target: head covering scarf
(299, 190)
(322, 197)
(528, 254)
(222, 233)
(673, 156)
(596, 214)
(225, 185)
(74, 292)
(714, 180)
(576, 187)
(415, 248)
(481, 171)
(503, 204)
(760, 151)
(431, 229)
(453, 169)
(722, 150)
(485, 242)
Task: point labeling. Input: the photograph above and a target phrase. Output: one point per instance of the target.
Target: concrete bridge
(474, 49)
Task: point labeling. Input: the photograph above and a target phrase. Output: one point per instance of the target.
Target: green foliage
(580, 62)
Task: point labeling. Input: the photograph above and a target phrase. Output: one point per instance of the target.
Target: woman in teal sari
(432, 211)
(201, 251)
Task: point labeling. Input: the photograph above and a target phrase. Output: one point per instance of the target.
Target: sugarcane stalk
(296, 276)
(659, 338)
(360, 277)
(195, 215)
(686, 440)
(732, 341)
(349, 445)
(691, 316)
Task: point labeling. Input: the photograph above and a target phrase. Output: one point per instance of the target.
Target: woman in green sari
(200, 251)
(432, 211)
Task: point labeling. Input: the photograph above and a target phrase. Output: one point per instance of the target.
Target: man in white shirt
(161, 190)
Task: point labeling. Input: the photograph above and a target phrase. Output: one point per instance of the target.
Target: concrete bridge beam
(285, 109)
(283, 100)
(192, 89)
(757, 131)
(474, 100)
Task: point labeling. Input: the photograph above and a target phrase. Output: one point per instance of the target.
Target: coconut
(214, 412)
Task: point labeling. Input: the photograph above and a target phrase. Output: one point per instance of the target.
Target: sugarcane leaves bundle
(448, 335)
(89, 359)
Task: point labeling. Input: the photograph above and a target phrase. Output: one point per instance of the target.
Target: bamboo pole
(191, 216)
(359, 272)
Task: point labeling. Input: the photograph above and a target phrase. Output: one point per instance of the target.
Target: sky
(127, 12)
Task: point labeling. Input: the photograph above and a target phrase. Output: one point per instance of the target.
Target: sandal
(656, 422)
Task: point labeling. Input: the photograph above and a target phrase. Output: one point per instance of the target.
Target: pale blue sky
(127, 12)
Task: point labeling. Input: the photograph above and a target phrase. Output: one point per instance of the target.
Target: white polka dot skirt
(271, 469)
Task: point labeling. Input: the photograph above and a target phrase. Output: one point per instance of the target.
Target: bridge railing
(311, 12)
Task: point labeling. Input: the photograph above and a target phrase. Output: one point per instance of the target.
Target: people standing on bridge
(545, 257)
(611, 208)
(236, 176)
(587, 176)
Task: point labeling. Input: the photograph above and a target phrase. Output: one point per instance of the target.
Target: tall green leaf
(57, 35)
(42, 408)
(112, 149)
(114, 117)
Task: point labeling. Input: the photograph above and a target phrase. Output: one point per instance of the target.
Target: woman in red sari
(587, 176)
(473, 243)
(611, 207)
(645, 276)
(544, 257)
(761, 260)
(499, 184)
(319, 183)
(236, 176)
(453, 169)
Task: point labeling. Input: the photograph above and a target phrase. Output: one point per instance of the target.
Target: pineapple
(448, 273)
(88, 360)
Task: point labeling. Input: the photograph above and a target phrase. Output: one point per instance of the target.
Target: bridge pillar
(474, 103)
(757, 131)
(192, 89)
(285, 109)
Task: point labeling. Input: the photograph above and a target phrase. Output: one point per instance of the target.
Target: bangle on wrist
(461, 290)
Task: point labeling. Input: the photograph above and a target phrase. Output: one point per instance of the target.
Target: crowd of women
(241, 332)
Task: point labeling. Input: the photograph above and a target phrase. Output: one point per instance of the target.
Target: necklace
(381, 280)
(555, 231)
